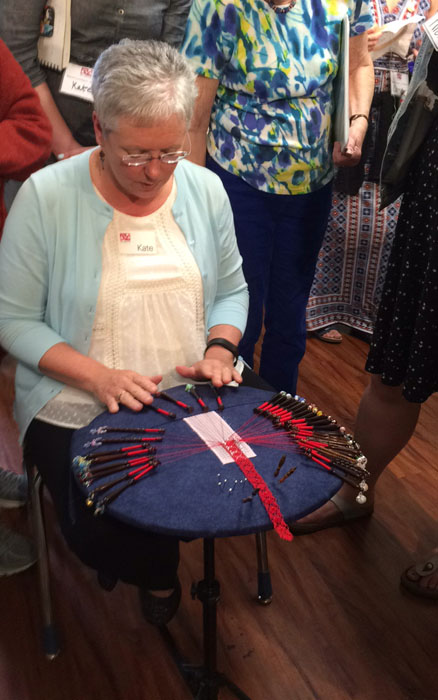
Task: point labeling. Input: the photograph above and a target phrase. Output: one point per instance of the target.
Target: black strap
(223, 342)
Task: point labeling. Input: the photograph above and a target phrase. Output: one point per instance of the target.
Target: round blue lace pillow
(191, 493)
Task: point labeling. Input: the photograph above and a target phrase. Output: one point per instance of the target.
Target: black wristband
(224, 343)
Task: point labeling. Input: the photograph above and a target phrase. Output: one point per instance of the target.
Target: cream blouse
(150, 311)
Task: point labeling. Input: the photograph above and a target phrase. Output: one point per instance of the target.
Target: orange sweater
(25, 132)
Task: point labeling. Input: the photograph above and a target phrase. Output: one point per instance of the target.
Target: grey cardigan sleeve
(20, 30)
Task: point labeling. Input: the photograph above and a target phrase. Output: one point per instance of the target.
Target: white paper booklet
(431, 29)
(396, 37)
(341, 115)
(54, 41)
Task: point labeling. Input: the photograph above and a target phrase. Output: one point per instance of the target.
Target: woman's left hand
(351, 154)
(346, 157)
(212, 369)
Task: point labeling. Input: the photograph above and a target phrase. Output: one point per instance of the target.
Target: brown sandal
(347, 512)
(411, 577)
(322, 334)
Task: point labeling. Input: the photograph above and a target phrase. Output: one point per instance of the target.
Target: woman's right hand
(373, 36)
(111, 386)
(123, 386)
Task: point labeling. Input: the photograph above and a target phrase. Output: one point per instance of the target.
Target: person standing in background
(94, 26)
(354, 255)
(25, 137)
(404, 348)
(265, 81)
(25, 133)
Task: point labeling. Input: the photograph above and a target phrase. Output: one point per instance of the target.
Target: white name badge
(137, 243)
(399, 83)
(76, 82)
(431, 29)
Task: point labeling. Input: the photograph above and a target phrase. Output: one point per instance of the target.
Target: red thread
(266, 496)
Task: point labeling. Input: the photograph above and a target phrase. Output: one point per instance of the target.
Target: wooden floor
(339, 627)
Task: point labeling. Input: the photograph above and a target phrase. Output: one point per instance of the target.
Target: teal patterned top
(271, 118)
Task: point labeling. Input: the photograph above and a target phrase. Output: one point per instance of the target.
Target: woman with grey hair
(125, 270)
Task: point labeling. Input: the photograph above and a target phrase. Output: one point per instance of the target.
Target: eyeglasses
(140, 159)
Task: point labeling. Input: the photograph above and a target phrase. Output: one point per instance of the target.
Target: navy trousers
(279, 238)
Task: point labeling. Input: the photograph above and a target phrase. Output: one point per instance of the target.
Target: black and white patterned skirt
(404, 349)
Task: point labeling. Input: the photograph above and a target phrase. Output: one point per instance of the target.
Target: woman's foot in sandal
(328, 334)
(422, 579)
(339, 510)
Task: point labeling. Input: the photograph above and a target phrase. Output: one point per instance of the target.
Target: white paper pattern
(212, 429)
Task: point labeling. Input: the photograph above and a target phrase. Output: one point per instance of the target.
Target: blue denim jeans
(279, 237)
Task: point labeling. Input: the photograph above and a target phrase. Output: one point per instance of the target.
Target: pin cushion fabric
(272, 115)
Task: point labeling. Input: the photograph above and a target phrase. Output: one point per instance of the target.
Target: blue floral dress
(271, 121)
(354, 255)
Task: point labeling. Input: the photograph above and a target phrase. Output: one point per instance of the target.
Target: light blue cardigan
(50, 266)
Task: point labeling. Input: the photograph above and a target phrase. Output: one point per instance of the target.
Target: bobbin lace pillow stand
(204, 680)
(214, 511)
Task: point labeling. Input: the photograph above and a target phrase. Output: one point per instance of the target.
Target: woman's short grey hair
(143, 81)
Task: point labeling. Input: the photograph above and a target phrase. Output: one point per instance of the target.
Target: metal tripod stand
(205, 681)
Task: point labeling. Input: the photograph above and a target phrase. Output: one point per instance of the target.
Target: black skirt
(404, 348)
